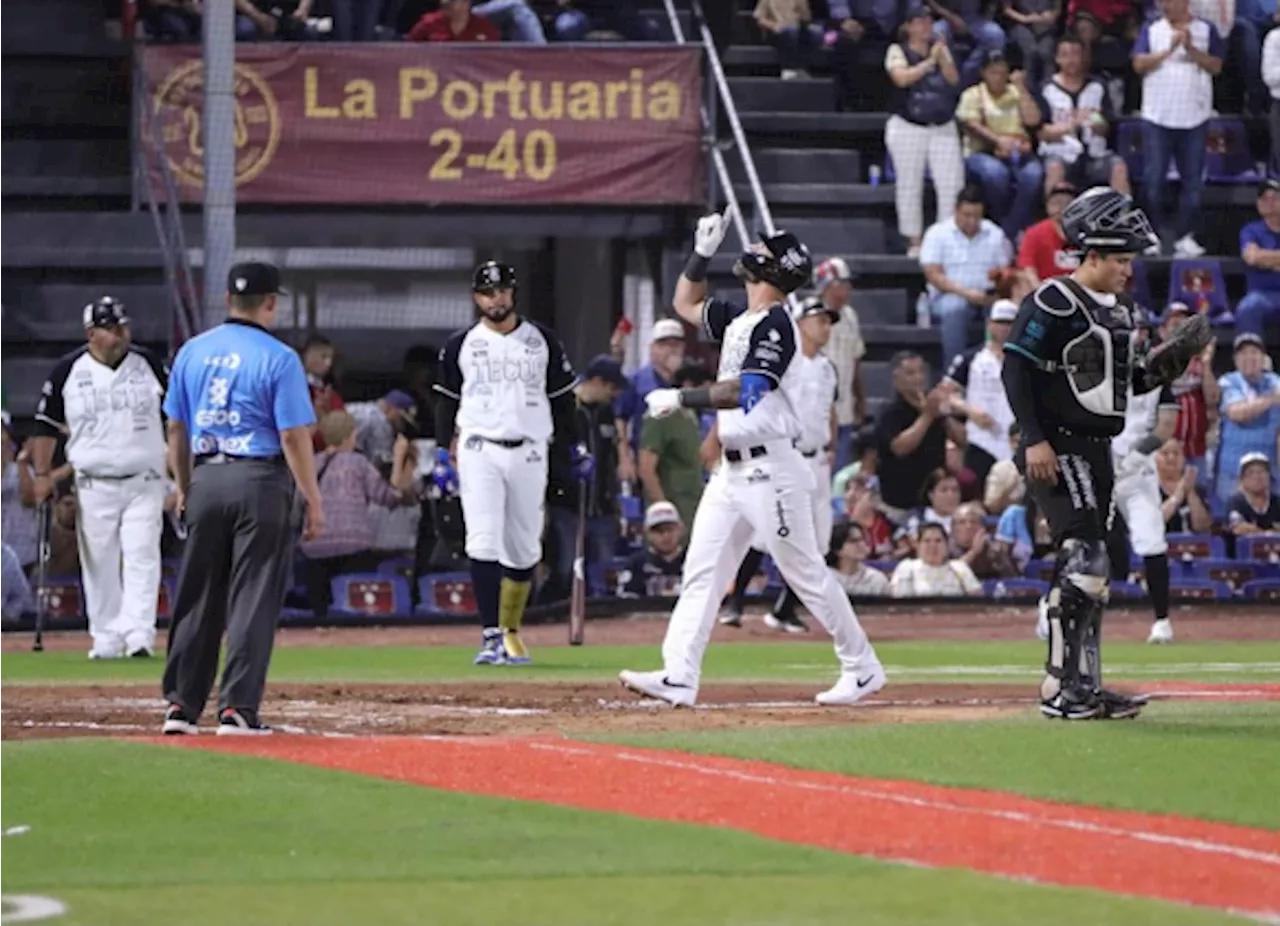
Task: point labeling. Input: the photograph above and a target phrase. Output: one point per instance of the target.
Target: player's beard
(498, 313)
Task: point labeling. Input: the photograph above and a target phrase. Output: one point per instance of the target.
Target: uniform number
(536, 157)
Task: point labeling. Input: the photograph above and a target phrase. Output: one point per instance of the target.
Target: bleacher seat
(884, 565)
(632, 507)
(446, 593)
(1021, 589)
(1264, 547)
(1234, 573)
(402, 566)
(62, 597)
(1039, 569)
(1262, 590)
(1181, 589)
(1196, 546)
(1199, 284)
(1122, 591)
(1228, 156)
(370, 594)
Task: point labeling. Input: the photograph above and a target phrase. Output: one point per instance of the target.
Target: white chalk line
(1024, 670)
(29, 908)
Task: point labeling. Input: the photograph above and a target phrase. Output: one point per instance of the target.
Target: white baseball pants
(769, 497)
(1137, 495)
(823, 516)
(503, 492)
(118, 529)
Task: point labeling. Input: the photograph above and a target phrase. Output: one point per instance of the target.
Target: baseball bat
(578, 600)
(44, 525)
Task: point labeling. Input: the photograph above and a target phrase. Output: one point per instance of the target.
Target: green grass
(138, 835)
(810, 663)
(1217, 761)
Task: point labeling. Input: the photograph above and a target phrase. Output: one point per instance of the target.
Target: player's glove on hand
(662, 402)
(710, 232)
(443, 474)
(1169, 359)
(582, 463)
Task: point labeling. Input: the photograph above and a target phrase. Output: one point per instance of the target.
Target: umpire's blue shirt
(236, 387)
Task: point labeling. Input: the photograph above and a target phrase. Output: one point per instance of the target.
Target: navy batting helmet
(786, 264)
(1107, 221)
(492, 275)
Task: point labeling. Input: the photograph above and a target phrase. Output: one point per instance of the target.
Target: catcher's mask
(783, 262)
(1107, 221)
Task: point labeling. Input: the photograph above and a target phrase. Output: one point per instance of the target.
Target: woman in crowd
(862, 507)
(847, 560)
(922, 131)
(932, 573)
(1183, 509)
(941, 497)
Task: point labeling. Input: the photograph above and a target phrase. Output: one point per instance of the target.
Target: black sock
(486, 579)
(1158, 584)
(746, 572)
(785, 606)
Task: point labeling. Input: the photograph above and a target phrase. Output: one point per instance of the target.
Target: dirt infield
(490, 706)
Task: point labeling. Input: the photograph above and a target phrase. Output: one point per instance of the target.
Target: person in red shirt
(454, 23)
(1044, 249)
(317, 359)
(1196, 392)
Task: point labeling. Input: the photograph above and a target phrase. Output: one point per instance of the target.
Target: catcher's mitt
(1169, 359)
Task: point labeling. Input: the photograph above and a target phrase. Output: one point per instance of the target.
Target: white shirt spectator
(914, 578)
(866, 581)
(977, 373)
(1003, 482)
(845, 349)
(1222, 13)
(1179, 93)
(966, 261)
(1271, 63)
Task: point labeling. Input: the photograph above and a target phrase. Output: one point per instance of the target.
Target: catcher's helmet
(787, 265)
(105, 313)
(492, 275)
(1106, 221)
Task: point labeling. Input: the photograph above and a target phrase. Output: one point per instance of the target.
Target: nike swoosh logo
(864, 682)
(670, 684)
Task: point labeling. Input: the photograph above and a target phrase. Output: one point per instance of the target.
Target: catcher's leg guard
(1074, 603)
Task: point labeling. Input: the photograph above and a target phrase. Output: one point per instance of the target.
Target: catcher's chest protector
(1099, 352)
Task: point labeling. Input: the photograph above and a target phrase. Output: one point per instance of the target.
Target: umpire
(240, 418)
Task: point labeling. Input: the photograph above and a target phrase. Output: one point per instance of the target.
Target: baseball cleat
(852, 687)
(177, 722)
(141, 652)
(492, 651)
(1117, 706)
(656, 685)
(790, 624)
(731, 617)
(1161, 631)
(1072, 704)
(517, 653)
(235, 722)
(1042, 619)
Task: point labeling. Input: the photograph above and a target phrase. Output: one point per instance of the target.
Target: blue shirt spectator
(666, 353)
(236, 387)
(1260, 249)
(1012, 531)
(14, 589)
(1250, 412)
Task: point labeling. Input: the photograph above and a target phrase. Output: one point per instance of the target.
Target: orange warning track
(1171, 858)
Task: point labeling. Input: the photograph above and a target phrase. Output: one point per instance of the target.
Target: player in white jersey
(505, 388)
(1149, 420)
(763, 486)
(816, 444)
(105, 398)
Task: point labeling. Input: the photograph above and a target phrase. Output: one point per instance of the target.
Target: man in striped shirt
(1196, 392)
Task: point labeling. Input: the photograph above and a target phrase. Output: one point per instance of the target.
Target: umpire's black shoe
(1116, 706)
(235, 722)
(1072, 704)
(177, 722)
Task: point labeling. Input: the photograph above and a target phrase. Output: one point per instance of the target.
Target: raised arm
(691, 287)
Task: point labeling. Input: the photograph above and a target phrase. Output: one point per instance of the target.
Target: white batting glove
(710, 232)
(662, 402)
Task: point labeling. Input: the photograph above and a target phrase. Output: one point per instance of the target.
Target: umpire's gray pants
(236, 562)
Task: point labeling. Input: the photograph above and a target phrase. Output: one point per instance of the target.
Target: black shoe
(140, 653)
(1072, 704)
(235, 722)
(731, 617)
(177, 722)
(787, 623)
(1116, 706)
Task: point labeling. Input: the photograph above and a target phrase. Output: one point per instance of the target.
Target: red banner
(422, 123)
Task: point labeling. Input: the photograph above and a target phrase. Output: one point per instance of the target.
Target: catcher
(1071, 358)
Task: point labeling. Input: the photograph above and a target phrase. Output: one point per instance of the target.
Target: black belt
(509, 444)
(209, 458)
(93, 477)
(751, 453)
(810, 454)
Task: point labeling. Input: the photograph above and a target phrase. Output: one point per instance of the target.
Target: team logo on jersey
(784, 529)
(757, 475)
(179, 103)
(533, 457)
(474, 443)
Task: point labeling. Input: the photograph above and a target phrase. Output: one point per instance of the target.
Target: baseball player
(505, 389)
(106, 397)
(1070, 361)
(764, 487)
(1149, 421)
(816, 444)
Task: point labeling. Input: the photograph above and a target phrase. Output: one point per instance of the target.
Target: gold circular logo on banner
(179, 106)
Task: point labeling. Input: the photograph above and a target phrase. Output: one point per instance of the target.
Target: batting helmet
(492, 275)
(786, 263)
(1106, 221)
(105, 313)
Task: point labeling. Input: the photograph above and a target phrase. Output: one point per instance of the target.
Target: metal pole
(218, 135)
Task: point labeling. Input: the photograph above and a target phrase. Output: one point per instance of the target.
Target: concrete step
(838, 235)
(772, 94)
(80, 240)
(66, 95)
(36, 311)
(800, 165)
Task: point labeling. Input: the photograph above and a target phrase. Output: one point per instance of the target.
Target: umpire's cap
(1107, 221)
(254, 278)
(492, 275)
(786, 263)
(105, 313)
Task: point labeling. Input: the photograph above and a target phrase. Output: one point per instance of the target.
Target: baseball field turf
(405, 786)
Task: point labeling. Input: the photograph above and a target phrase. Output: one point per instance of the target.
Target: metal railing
(763, 216)
(166, 216)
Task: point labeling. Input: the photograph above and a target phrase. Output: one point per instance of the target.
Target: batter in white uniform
(505, 388)
(105, 397)
(764, 486)
(1149, 421)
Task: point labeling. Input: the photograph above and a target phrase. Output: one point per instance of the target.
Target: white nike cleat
(655, 685)
(1161, 631)
(852, 687)
(1042, 619)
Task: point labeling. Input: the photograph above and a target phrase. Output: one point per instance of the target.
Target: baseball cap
(604, 367)
(1271, 184)
(832, 270)
(666, 329)
(1176, 308)
(254, 278)
(815, 306)
(993, 56)
(105, 313)
(404, 403)
(661, 513)
(1003, 310)
(917, 11)
(1250, 458)
(1248, 339)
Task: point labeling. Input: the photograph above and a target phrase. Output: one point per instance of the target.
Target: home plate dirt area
(505, 702)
